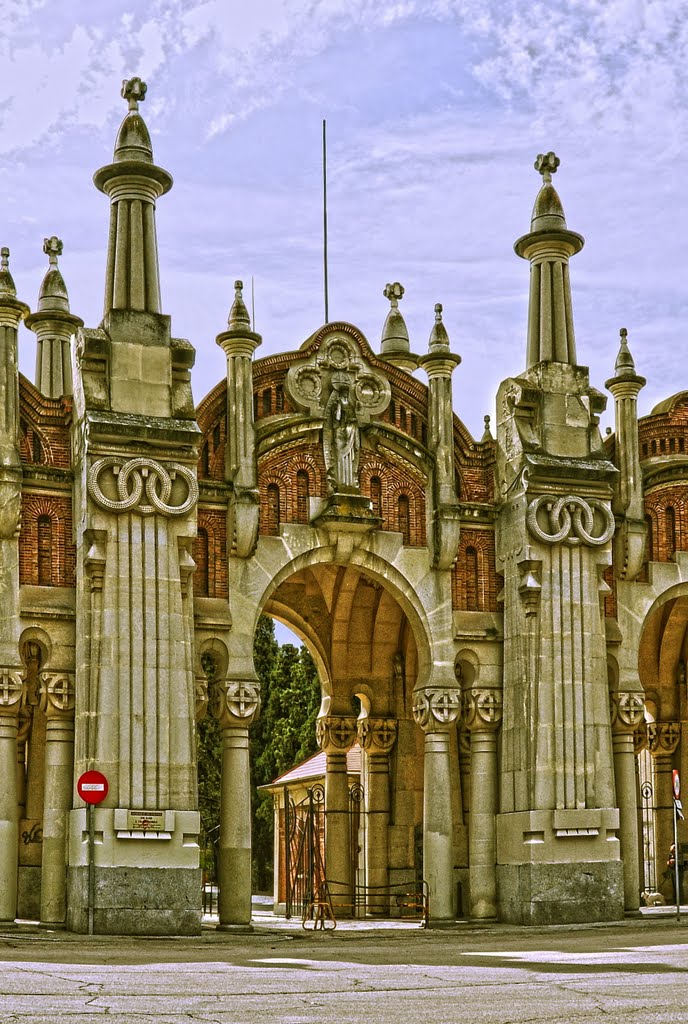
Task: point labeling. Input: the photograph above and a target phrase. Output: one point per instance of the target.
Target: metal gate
(304, 846)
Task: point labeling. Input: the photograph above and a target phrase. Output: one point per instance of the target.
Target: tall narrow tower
(557, 830)
(135, 506)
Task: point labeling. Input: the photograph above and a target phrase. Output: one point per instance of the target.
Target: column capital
(627, 710)
(377, 735)
(235, 702)
(663, 737)
(57, 694)
(436, 708)
(335, 734)
(482, 708)
(11, 690)
(640, 742)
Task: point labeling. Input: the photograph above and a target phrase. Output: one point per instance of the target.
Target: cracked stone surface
(634, 972)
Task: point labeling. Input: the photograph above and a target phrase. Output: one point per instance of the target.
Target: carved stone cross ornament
(337, 386)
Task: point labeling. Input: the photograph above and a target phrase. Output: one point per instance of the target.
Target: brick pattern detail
(44, 436)
(665, 433)
(397, 481)
(666, 514)
(210, 578)
(609, 577)
(59, 510)
(475, 584)
(279, 469)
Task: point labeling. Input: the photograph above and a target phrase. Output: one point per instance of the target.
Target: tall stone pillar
(335, 735)
(58, 701)
(11, 691)
(377, 737)
(627, 711)
(235, 704)
(436, 711)
(482, 715)
(663, 739)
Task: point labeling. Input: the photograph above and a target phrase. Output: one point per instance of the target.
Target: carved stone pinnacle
(238, 288)
(394, 292)
(546, 165)
(52, 247)
(438, 312)
(134, 91)
(4, 258)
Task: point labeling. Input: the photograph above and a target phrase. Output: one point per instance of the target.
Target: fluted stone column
(335, 735)
(11, 689)
(235, 704)
(663, 739)
(436, 711)
(482, 713)
(58, 701)
(627, 711)
(377, 737)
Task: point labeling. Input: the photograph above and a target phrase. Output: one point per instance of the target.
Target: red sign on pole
(676, 783)
(92, 787)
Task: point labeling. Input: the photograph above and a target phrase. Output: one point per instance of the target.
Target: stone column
(640, 744)
(235, 704)
(11, 690)
(627, 711)
(663, 739)
(57, 695)
(335, 735)
(436, 711)
(377, 737)
(482, 710)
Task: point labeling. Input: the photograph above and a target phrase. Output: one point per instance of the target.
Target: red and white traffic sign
(676, 783)
(92, 787)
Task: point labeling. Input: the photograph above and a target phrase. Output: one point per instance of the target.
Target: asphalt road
(635, 973)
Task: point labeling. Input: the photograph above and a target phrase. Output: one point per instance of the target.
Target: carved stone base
(136, 901)
(349, 511)
(575, 893)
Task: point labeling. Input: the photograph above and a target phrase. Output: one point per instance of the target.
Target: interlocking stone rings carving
(139, 475)
(571, 519)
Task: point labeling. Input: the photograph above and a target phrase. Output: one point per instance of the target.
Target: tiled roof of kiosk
(314, 768)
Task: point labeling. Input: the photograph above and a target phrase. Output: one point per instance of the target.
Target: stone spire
(238, 318)
(439, 364)
(395, 347)
(12, 311)
(133, 183)
(627, 502)
(548, 246)
(53, 324)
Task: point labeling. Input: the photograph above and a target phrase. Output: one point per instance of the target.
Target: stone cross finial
(4, 258)
(394, 292)
(52, 247)
(546, 165)
(238, 289)
(623, 331)
(438, 312)
(134, 91)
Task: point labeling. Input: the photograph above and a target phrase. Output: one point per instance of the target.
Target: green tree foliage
(282, 736)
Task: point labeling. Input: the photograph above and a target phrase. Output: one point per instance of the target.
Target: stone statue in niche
(341, 435)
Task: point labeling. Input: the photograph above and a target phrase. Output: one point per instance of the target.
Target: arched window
(200, 554)
(273, 517)
(267, 401)
(303, 493)
(404, 518)
(471, 580)
(376, 496)
(45, 551)
(402, 417)
(279, 398)
(393, 412)
(670, 526)
(216, 436)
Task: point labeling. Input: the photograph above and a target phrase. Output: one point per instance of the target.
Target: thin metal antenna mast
(253, 306)
(324, 166)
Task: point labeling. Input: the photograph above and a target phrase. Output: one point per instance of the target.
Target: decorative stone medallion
(570, 519)
(129, 479)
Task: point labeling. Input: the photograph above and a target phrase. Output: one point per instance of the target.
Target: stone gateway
(509, 615)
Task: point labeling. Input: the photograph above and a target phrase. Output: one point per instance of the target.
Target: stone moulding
(135, 476)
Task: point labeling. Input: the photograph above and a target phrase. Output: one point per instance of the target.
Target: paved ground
(635, 973)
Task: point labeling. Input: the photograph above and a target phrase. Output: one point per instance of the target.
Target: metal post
(91, 866)
(676, 875)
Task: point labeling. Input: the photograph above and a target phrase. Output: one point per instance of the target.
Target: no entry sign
(92, 787)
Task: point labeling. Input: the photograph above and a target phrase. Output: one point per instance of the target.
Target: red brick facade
(475, 584)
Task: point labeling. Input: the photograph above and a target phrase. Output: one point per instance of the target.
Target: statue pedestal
(349, 511)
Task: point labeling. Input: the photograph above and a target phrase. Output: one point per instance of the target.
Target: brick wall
(48, 517)
(475, 584)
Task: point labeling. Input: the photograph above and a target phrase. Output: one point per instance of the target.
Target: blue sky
(436, 110)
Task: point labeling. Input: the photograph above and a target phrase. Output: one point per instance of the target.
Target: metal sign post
(92, 787)
(678, 813)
